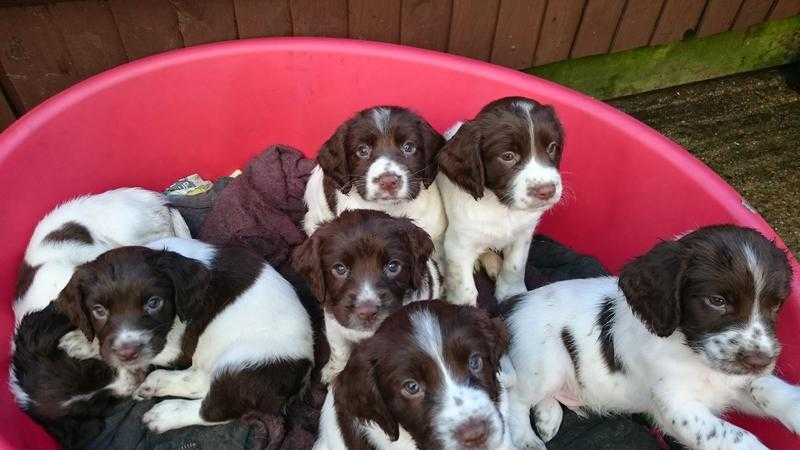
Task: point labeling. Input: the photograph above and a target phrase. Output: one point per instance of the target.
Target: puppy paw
(153, 385)
(172, 414)
(779, 399)
(746, 441)
(330, 370)
(547, 416)
(527, 440)
(504, 291)
(492, 263)
(75, 345)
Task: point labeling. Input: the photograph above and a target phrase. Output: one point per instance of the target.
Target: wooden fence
(46, 46)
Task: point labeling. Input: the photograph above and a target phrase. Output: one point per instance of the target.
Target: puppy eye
(99, 312)
(409, 148)
(363, 151)
(340, 270)
(509, 157)
(411, 388)
(393, 268)
(716, 302)
(551, 150)
(153, 304)
(475, 362)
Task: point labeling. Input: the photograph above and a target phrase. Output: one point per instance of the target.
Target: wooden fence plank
(637, 24)
(784, 9)
(426, 23)
(518, 24)
(203, 21)
(472, 28)
(146, 27)
(596, 31)
(33, 56)
(718, 16)
(6, 114)
(375, 20)
(560, 23)
(258, 18)
(751, 13)
(90, 35)
(677, 18)
(319, 17)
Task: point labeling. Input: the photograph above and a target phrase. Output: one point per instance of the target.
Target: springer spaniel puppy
(497, 175)
(686, 333)
(428, 379)
(383, 158)
(362, 266)
(80, 229)
(228, 332)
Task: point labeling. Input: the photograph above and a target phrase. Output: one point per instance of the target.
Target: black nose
(542, 191)
(128, 352)
(367, 312)
(389, 182)
(473, 433)
(755, 360)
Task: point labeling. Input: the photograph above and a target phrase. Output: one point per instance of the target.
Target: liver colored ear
(307, 261)
(651, 284)
(461, 161)
(190, 282)
(420, 246)
(332, 158)
(432, 143)
(70, 303)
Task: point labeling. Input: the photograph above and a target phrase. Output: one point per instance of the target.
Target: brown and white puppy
(362, 266)
(228, 330)
(382, 158)
(428, 379)
(497, 175)
(686, 333)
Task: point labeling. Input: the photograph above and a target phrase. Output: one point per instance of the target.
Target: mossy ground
(747, 128)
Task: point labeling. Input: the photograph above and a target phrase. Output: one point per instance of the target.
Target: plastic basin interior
(209, 109)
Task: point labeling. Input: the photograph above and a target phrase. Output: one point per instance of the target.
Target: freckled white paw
(75, 345)
(547, 415)
(153, 385)
(330, 370)
(526, 439)
(172, 414)
(748, 442)
(492, 263)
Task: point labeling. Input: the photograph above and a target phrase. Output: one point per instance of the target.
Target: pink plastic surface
(209, 109)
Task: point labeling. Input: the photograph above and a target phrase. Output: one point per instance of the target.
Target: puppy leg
(772, 397)
(340, 351)
(492, 263)
(694, 426)
(459, 279)
(189, 383)
(547, 415)
(519, 424)
(511, 280)
(173, 414)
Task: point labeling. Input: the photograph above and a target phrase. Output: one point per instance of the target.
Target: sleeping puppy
(497, 175)
(383, 158)
(362, 266)
(428, 379)
(686, 333)
(228, 330)
(80, 229)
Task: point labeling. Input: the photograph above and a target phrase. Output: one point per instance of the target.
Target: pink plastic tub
(209, 109)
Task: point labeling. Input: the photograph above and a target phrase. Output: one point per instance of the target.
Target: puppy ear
(356, 394)
(307, 261)
(332, 158)
(420, 246)
(652, 284)
(460, 159)
(70, 303)
(495, 333)
(190, 281)
(432, 143)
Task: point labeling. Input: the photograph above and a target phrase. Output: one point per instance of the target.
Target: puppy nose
(389, 182)
(542, 191)
(755, 360)
(128, 352)
(473, 433)
(367, 313)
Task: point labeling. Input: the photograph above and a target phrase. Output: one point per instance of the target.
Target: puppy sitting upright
(498, 174)
(229, 331)
(685, 334)
(362, 266)
(383, 158)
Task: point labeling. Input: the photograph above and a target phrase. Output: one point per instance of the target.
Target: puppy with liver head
(362, 266)
(428, 379)
(498, 174)
(686, 333)
(383, 158)
(228, 331)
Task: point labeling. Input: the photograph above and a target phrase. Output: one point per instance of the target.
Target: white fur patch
(383, 166)
(381, 118)
(20, 396)
(173, 414)
(190, 248)
(75, 345)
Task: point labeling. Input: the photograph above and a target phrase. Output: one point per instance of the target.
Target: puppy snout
(367, 312)
(542, 191)
(388, 182)
(128, 351)
(472, 434)
(755, 361)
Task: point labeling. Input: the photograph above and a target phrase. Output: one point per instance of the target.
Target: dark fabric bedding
(262, 209)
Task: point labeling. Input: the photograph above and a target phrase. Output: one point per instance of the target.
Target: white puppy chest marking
(381, 118)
